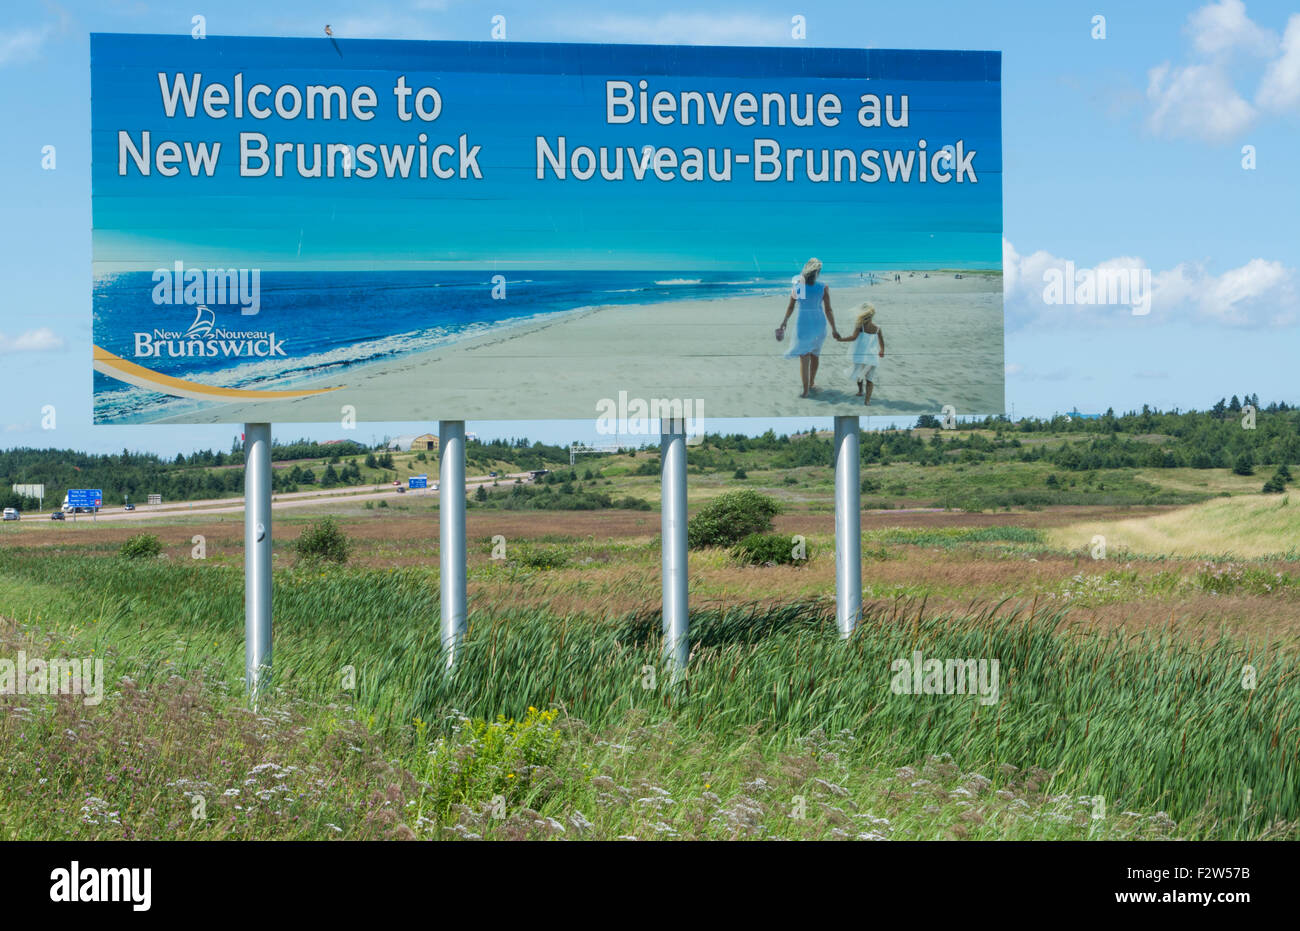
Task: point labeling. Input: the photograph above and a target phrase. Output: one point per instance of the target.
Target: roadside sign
(501, 188)
(155, 499)
(85, 498)
(418, 481)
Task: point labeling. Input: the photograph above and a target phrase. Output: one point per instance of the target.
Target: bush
(141, 546)
(324, 539)
(768, 549)
(730, 517)
(740, 474)
(539, 557)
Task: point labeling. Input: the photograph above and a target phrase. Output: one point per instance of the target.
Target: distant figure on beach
(868, 351)
(813, 299)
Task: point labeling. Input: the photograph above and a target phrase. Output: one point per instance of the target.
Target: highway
(294, 499)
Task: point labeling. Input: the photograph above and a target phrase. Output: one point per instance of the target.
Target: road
(292, 499)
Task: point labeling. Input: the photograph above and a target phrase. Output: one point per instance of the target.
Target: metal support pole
(672, 450)
(257, 557)
(451, 527)
(848, 526)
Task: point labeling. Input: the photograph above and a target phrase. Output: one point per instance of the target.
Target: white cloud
(684, 29)
(18, 46)
(1199, 99)
(1224, 27)
(39, 340)
(1260, 293)
(1280, 87)
(1196, 101)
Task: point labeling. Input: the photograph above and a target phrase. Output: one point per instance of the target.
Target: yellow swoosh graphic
(116, 367)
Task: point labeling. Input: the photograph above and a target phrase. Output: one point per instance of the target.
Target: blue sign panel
(418, 481)
(85, 498)
(628, 231)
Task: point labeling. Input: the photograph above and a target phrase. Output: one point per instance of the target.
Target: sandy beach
(943, 345)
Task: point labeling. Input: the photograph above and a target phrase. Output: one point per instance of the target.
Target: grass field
(1252, 526)
(1150, 693)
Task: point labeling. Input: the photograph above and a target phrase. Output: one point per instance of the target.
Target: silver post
(257, 557)
(848, 526)
(451, 527)
(672, 450)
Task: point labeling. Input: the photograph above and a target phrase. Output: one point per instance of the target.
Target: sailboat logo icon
(203, 322)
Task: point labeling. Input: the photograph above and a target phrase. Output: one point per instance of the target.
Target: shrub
(537, 557)
(740, 474)
(141, 546)
(768, 549)
(323, 539)
(730, 517)
(489, 758)
(1277, 484)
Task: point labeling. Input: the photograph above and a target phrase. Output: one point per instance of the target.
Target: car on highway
(128, 507)
(11, 514)
(57, 515)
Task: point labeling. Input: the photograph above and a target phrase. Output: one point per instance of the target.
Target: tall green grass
(1145, 720)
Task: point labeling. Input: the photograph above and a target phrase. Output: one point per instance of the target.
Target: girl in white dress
(868, 351)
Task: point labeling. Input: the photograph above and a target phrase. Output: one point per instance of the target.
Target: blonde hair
(868, 311)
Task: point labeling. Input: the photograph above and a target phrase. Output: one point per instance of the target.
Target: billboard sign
(85, 498)
(30, 491)
(286, 229)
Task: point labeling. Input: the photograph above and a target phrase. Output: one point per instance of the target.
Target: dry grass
(1243, 527)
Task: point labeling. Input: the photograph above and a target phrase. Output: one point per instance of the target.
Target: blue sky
(1123, 152)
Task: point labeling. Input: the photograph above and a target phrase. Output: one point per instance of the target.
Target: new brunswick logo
(205, 339)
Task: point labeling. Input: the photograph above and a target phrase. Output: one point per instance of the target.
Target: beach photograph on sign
(517, 231)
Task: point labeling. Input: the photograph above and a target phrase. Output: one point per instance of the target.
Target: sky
(1166, 147)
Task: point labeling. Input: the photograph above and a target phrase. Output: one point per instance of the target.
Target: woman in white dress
(868, 351)
(813, 299)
